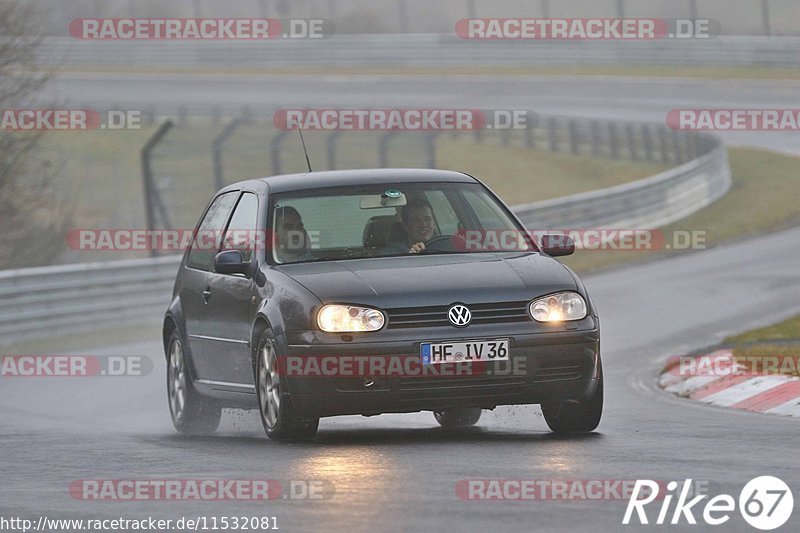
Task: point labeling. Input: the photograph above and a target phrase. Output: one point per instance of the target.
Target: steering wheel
(445, 243)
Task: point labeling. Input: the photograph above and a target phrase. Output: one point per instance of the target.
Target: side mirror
(557, 245)
(231, 262)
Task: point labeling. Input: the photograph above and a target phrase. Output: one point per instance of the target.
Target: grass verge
(763, 199)
(777, 346)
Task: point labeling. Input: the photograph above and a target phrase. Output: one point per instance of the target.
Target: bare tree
(31, 220)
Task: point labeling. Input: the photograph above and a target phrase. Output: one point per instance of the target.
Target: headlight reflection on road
(358, 474)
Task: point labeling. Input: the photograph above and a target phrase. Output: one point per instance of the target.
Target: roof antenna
(308, 162)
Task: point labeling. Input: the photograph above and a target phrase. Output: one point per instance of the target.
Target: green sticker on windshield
(392, 193)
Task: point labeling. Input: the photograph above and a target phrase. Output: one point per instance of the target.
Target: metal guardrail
(35, 302)
(426, 50)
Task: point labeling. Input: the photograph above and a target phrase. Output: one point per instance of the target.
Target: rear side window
(207, 241)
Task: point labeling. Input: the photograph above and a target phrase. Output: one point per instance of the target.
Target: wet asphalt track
(398, 472)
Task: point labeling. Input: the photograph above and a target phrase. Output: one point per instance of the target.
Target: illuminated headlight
(349, 318)
(559, 307)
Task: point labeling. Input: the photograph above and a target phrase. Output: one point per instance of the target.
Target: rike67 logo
(765, 503)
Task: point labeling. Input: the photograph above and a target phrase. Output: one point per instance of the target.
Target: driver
(291, 239)
(419, 224)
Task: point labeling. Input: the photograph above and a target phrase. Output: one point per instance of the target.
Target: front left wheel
(280, 420)
(191, 413)
(576, 416)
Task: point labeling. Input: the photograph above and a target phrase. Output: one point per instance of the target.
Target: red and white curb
(774, 394)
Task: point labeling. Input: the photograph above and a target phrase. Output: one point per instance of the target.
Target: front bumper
(542, 367)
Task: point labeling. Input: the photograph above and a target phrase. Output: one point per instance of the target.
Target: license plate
(460, 352)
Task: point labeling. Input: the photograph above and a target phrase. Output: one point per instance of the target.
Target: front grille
(436, 315)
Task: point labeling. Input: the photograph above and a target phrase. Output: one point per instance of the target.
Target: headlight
(559, 307)
(349, 318)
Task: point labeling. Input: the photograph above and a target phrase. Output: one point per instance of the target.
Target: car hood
(423, 280)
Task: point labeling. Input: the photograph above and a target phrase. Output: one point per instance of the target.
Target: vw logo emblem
(459, 316)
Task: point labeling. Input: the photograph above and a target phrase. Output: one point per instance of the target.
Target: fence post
(275, 151)
(530, 137)
(150, 192)
(648, 142)
(505, 137)
(383, 149)
(331, 146)
(595, 132)
(630, 134)
(765, 17)
(216, 150)
(613, 140)
(573, 137)
(431, 148)
(552, 133)
(662, 143)
(676, 146)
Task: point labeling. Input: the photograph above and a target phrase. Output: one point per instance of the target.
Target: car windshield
(383, 220)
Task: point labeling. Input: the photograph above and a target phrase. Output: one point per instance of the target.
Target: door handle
(206, 295)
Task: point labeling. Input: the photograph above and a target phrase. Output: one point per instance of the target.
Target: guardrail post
(151, 198)
(275, 151)
(216, 150)
(331, 148)
(383, 149)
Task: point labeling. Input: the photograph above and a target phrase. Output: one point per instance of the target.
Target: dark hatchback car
(376, 291)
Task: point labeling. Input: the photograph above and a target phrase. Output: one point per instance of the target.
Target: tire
(458, 418)
(280, 421)
(576, 417)
(192, 414)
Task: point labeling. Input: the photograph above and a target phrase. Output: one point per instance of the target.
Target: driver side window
(207, 239)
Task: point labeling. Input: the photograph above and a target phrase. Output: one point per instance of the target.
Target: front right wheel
(280, 420)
